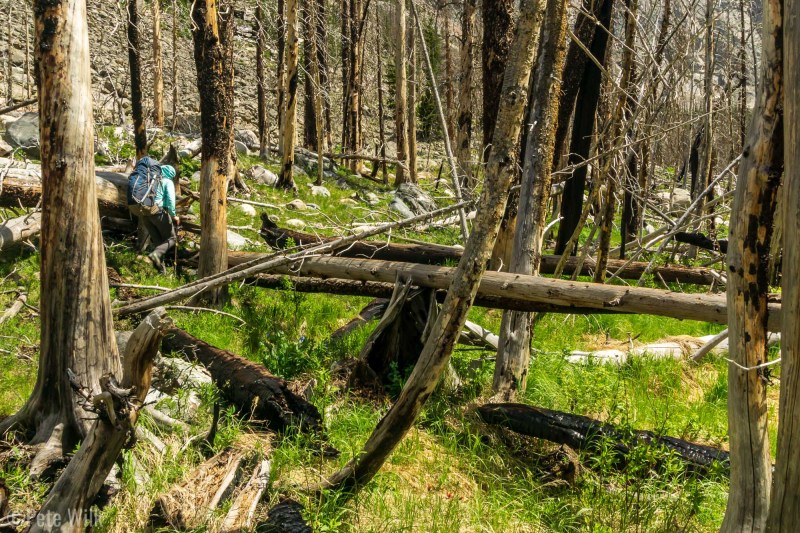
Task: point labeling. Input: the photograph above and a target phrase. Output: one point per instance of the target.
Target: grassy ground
(452, 473)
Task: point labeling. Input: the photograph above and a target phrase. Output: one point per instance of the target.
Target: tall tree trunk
(513, 354)
(413, 91)
(212, 38)
(743, 77)
(448, 73)
(261, 83)
(322, 57)
(784, 511)
(135, 63)
(174, 64)
(9, 62)
(281, 67)
(381, 123)
(445, 331)
(706, 157)
(286, 180)
(464, 129)
(400, 95)
(309, 112)
(582, 131)
(344, 13)
(316, 87)
(748, 286)
(498, 29)
(77, 332)
(158, 69)
(28, 80)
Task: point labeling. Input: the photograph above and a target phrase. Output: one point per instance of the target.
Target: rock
(248, 210)
(298, 172)
(348, 201)
(190, 148)
(188, 123)
(295, 223)
(341, 183)
(372, 198)
(196, 177)
(262, 175)
(240, 147)
(236, 241)
(319, 190)
(399, 206)
(6, 120)
(416, 200)
(5, 149)
(24, 133)
(248, 137)
(680, 199)
(297, 205)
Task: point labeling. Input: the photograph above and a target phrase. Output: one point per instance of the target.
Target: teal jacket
(165, 196)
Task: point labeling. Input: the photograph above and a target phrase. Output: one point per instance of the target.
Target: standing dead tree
(289, 109)
(498, 29)
(77, 331)
(261, 81)
(400, 95)
(513, 354)
(748, 286)
(158, 69)
(135, 63)
(464, 121)
(445, 331)
(213, 32)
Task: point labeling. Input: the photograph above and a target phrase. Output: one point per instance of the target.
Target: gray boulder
(247, 137)
(24, 133)
(240, 147)
(263, 175)
(236, 241)
(248, 210)
(319, 190)
(409, 200)
(297, 205)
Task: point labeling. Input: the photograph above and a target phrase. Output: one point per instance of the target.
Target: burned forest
(399, 265)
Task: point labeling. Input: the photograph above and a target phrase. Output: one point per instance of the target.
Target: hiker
(151, 197)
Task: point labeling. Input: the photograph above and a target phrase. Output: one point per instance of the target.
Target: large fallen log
(509, 288)
(22, 187)
(19, 229)
(438, 254)
(583, 433)
(247, 385)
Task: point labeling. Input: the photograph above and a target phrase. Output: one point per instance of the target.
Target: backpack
(143, 184)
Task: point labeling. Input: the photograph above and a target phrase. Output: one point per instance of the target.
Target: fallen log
(243, 510)
(507, 288)
(286, 517)
(438, 254)
(19, 229)
(188, 505)
(371, 311)
(583, 433)
(16, 307)
(247, 385)
(701, 241)
(80, 482)
(18, 105)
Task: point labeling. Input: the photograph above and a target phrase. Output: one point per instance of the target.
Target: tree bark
(784, 512)
(158, 69)
(281, 66)
(464, 129)
(513, 355)
(261, 81)
(76, 488)
(289, 122)
(582, 132)
(135, 63)
(748, 286)
(76, 326)
(498, 30)
(381, 122)
(413, 90)
(247, 385)
(309, 111)
(212, 35)
(174, 64)
(447, 328)
(400, 95)
(318, 98)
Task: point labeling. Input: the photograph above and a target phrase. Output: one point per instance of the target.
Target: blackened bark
(498, 31)
(135, 63)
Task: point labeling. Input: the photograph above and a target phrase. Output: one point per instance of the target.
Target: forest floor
(452, 472)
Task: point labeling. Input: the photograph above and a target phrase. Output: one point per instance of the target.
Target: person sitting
(161, 226)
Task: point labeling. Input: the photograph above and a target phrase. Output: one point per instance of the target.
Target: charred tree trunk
(322, 58)
(247, 385)
(748, 286)
(354, 85)
(174, 64)
(135, 64)
(261, 81)
(344, 15)
(582, 132)
(413, 91)
(498, 29)
(400, 95)
(513, 354)
(289, 122)
(445, 331)
(316, 86)
(281, 67)
(77, 331)
(158, 69)
(381, 122)
(448, 73)
(309, 111)
(464, 129)
(212, 36)
(784, 511)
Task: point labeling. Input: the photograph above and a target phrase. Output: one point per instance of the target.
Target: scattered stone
(409, 198)
(298, 172)
(372, 198)
(6, 120)
(680, 199)
(248, 137)
(24, 133)
(196, 177)
(348, 201)
(240, 147)
(340, 183)
(190, 148)
(262, 175)
(248, 210)
(5, 149)
(236, 241)
(297, 205)
(319, 190)
(295, 223)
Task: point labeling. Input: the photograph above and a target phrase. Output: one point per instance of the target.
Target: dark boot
(155, 258)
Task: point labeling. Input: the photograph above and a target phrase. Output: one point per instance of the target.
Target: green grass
(451, 473)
